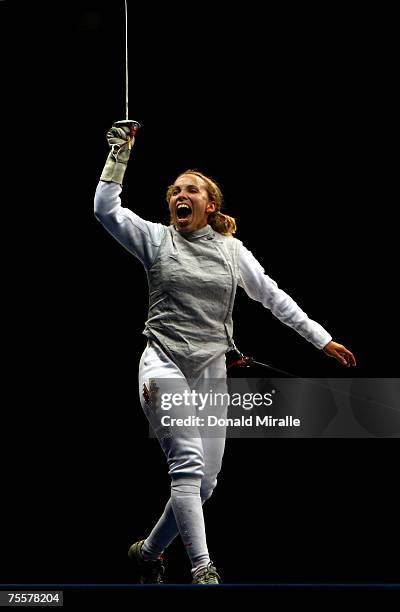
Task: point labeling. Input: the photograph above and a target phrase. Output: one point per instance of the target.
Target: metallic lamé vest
(192, 287)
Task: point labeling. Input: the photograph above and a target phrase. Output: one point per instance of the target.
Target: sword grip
(133, 126)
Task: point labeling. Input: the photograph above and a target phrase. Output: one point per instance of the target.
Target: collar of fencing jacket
(200, 233)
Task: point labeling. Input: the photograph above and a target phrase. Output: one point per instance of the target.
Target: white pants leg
(194, 462)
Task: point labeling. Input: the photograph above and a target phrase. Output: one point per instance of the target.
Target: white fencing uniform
(192, 286)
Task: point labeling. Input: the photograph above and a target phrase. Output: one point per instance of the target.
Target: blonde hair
(221, 223)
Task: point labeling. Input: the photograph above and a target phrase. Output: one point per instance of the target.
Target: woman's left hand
(341, 353)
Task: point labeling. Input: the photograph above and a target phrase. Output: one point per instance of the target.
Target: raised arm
(262, 288)
(141, 238)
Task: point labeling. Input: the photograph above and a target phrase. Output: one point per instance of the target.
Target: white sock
(188, 511)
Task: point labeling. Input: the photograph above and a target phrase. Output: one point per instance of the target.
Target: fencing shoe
(208, 575)
(150, 572)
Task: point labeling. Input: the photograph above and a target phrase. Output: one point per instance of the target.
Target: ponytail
(223, 224)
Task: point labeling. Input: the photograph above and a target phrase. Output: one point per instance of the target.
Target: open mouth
(183, 211)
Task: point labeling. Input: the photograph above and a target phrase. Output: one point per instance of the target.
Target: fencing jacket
(192, 281)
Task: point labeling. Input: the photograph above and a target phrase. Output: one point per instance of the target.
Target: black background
(291, 111)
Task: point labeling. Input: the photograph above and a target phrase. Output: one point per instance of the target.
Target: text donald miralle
(202, 401)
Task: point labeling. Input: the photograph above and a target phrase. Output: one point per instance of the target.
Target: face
(190, 203)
